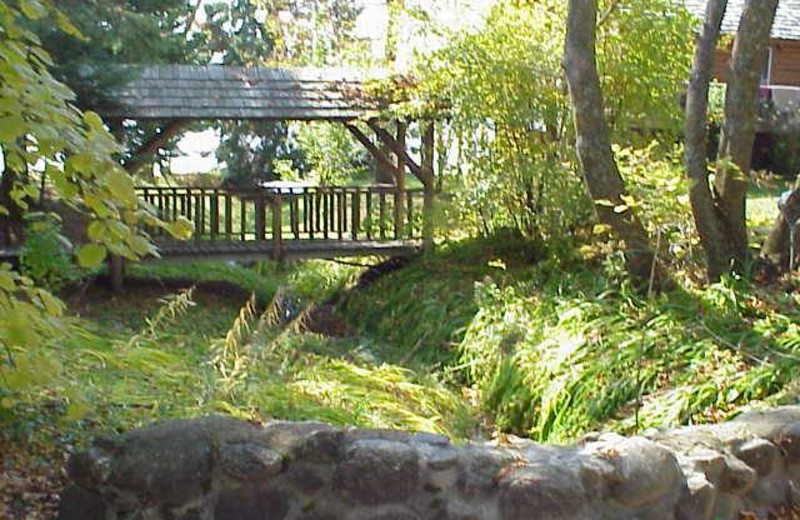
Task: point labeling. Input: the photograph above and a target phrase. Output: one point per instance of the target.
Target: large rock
(378, 472)
(546, 492)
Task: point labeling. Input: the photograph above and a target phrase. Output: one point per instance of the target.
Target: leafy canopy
(504, 89)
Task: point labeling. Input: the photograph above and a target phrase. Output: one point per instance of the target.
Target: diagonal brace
(423, 174)
(373, 150)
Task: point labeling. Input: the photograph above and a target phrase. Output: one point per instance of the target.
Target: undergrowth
(259, 366)
(553, 349)
(481, 336)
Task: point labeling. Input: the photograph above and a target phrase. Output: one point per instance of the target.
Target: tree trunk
(777, 246)
(707, 217)
(600, 172)
(738, 133)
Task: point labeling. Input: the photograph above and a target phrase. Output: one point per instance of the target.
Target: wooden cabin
(782, 67)
(783, 62)
(776, 148)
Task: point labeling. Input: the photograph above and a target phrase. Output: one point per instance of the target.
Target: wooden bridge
(277, 223)
(287, 223)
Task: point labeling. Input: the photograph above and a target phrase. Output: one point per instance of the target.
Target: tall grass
(261, 367)
(560, 347)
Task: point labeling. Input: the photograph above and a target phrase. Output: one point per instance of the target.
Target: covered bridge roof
(228, 92)
(787, 18)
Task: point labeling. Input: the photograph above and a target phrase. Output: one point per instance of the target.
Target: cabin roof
(229, 92)
(787, 19)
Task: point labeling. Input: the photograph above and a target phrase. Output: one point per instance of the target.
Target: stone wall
(221, 468)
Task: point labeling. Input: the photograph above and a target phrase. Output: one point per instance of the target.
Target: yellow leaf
(599, 229)
(181, 229)
(93, 121)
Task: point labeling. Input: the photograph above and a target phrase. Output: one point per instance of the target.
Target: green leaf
(33, 9)
(7, 282)
(91, 255)
(66, 25)
(79, 163)
(599, 229)
(140, 245)
(11, 127)
(122, 187)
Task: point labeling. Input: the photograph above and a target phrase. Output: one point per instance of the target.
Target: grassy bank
(555, 348)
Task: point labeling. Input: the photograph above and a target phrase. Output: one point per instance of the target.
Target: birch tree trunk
(741, 109)
(707, 217)
(600, 172)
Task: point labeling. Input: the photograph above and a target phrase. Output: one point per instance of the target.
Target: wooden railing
(373, 213)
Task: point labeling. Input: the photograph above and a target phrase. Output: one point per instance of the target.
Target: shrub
(46, 255)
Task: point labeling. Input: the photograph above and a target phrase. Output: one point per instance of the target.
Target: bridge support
(116, 273)
(277, 228)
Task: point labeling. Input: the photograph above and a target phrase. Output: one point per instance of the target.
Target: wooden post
(369, 213)
(294, 215)
(400, 184)
(116, 272)
(310, 208)
(429, 202)
(356, 210)
(261, 225)
(340, 215)
(214, 223)
(382, 213)
(277, 227)
(243, 217)
(228, 216)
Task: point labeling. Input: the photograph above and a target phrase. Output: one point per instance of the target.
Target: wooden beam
(116, 273)
(384, 161)
(399, 149)
(400, 185)
(429, 202)
(141, 155)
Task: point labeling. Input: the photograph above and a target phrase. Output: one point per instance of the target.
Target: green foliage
(574, 354)
(46, 256)
(658, 194)
(332, 157)
(511, 121)
(417, 316)
(45, 138)
(313, 33)
(260, 283)
(558, 348)
(196, 352)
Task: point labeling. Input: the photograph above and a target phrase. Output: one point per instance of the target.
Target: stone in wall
(219, 468)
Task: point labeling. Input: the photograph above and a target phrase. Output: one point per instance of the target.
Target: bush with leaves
(46, 255)
(510, 116)
(331, 155)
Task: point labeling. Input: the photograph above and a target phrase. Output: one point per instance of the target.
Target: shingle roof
(227, 92)
(787, 19)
